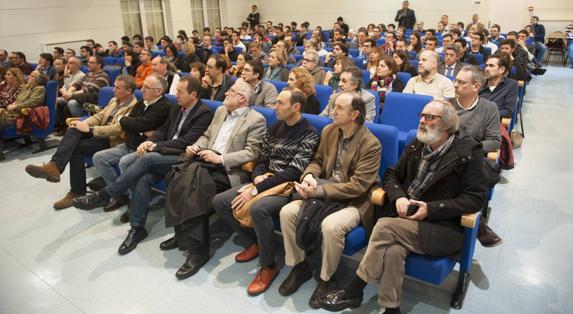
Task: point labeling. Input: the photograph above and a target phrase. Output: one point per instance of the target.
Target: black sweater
(140, 120)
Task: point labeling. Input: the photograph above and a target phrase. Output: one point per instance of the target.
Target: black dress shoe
(135, 235)
(124, 218)
(116, 203)
(169, 244)
(337, 301)
(192, 265)
(298, 275)
(323, 288)
(91, 201)
(97, 184)
(487, 237)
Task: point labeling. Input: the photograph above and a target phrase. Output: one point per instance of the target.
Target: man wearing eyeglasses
(310, 62)
(233, 138)
(438, 178)
(479, 119)
(147, 115)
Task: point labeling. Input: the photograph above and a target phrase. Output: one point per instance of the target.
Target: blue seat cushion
(430, 269)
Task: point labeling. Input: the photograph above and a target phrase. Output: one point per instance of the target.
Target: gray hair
(449, 116)
(161, 81)
(356, 77)
(41, 78)
(477, 74)
(128, 82)
(245, 89)
(311, 55)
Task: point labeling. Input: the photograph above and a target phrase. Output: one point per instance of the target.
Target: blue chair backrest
(171, 98)
(160, 53)
(182, 74)
(120, 61)
(239, 50)
(33, 65)
(279, 85)
(380, 41)
(138, 95)
(388, 137)
(84, 69)
(401, 110)
(50, 102)
(108, 61)
(323, 93)
(414, 64)
(404, 77)
(104, 96)
(112, 73)
(318, 122)
(479, 57)
(297, 57)
(412, 54)
(287, 66)
(365, 77)
(359, 62)
(353, 52)
(213, 104)
(269, 114)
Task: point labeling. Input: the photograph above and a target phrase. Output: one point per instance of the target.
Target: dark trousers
(193, 234)
(73, 146)
(262, 212)
(62, 113)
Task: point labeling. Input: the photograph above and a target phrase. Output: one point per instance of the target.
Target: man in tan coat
(85, 138)
(344, 169)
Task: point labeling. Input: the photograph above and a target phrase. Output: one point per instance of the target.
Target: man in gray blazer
(233, 138)
(265, 92)
(451, 65)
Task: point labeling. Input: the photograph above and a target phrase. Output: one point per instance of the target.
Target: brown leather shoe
(487, 237)
(263, 280)
(248, 254)
(67, 201)
(48, 171)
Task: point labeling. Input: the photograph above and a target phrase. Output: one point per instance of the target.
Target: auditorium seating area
(66, 261)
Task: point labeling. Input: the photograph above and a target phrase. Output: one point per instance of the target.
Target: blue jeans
(540, 51)
(106, 160)
(76, 108)
(139, 176)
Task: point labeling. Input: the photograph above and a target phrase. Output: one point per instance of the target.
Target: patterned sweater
(286, 152)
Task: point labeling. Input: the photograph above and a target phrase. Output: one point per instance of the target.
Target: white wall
(26, 25)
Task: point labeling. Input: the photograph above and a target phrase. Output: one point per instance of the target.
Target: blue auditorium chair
(323, 93)
(279, 85)
(268, 113)
(414, 64)
(213, 104)
(318, 122)
(479, 57)
(404, 77)
(108, 61)
(401, 110)
(104, 96)
(40, 134)
(113, 73)
(353, 52)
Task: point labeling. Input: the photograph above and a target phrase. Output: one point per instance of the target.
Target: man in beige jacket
(344, 169)
(85, 138)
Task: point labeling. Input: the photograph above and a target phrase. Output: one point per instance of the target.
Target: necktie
(449, 71)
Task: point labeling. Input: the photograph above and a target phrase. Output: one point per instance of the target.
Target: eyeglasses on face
(428, 116)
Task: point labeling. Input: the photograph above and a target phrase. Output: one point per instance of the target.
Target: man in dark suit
(464, 55)
(451, 66)
(406, 17)
(254, 17)
(215, 83)
(425, 203)
(154, 158)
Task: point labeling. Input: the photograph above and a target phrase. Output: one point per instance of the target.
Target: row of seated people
(335, 171)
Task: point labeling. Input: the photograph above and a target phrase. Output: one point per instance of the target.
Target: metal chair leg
(461, 289)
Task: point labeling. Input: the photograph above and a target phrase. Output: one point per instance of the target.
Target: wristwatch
(91, 129)
(254, 191)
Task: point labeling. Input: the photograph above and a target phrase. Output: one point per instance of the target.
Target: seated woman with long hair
(403, 61)
(332, 78)
(237, 69)
(301, 79)
(31, 95)
(276, 70)
(10, 86)
(373, 58)
(131, 62)
(385, 79)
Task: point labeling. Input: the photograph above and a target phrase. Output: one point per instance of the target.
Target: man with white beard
(439, 178)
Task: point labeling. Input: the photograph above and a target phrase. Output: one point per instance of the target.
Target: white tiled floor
(66, 261)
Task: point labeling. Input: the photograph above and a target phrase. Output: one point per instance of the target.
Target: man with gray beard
(439, 178)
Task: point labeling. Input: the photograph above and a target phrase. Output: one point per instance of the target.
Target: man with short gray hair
(310, 61)
(429, 81)
(479, 119)
(426, 199)
(351, 81)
